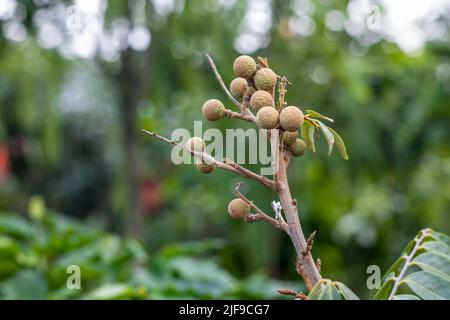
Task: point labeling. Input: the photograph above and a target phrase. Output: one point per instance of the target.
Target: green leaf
(385, 290)
(16, 226)
(429, 253)
(331, 290)
(340, 144)
(308, 131)
(25, 284)
(346, 293)
(329, 138)
(434, 262)
(443, 238)
(315, 114)
(428, 286)
(437, 246)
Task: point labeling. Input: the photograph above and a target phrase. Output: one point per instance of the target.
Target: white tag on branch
(276, 206)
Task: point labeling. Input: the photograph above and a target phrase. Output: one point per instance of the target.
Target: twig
(281, 93)
(245, 109)
(309, 243)
(289, 292)
(211, 160)
(259, 215)
(222, 84)
(265, 64)
(249, 174)
(234, 114)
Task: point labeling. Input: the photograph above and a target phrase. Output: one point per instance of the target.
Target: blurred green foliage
(35, 255)
(60, 123)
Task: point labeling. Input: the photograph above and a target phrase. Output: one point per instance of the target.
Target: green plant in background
(35, 254)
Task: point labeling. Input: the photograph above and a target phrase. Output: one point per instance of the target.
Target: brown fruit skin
(238, 209)
(291, 119)
(267, 118)
(244, 67)
(289, 138)
(261, 99)
(265, 79)
(196, 144)
(213, 110)
(205, 168)
(238, 87)
(298, 148)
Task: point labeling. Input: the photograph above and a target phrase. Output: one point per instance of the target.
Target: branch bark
(226, 165)
(311, 274)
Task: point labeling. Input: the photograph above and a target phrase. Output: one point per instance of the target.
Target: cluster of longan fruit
(255, 84)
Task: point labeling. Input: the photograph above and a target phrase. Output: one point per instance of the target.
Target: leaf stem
(409, 257)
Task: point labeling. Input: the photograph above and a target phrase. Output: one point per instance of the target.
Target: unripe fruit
(238, 208)
(267, 118)
(213, 110)
(244, 66)
(238, 87)
(289, 137)
(261, 99)
(298, 148)
(265, 79)
(205, 168)
(196, 144)
(291, 118)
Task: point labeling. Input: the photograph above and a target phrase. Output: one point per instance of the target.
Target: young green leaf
(328, 136)
(340, 144)
(307, 133)
(315, 114)
(326, 289)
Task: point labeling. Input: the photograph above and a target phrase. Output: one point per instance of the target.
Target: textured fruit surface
(265, 79)
(196, 144)
(261, 99)
(298, 148)
(244, 66)
(238, 87)
(205, 168)
(289, 138)
(267, 118)
(213, 110)
(291, 118)
(238, 208)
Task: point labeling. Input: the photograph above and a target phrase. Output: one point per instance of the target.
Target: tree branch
(222, 83)
(234, 114)
(260, 215)
(226, 165)
(249, 174)
(308, 270)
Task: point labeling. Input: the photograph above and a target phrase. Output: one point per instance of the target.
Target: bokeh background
(80, 184)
